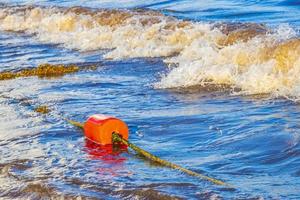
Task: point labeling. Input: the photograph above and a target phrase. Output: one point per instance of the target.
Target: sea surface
(213, 86)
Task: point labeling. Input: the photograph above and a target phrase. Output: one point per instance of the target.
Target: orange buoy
(99, 128)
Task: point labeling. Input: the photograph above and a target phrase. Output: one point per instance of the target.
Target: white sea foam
(250, 57)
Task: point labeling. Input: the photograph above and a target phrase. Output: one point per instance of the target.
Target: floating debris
(29, 103)
(43, 71)
(7, 75)
(42, 109)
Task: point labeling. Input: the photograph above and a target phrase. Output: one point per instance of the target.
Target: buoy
(102, 129)
(108, 131)
(99, 129)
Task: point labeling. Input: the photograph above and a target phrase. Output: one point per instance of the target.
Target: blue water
(269, 11)
(251, 142)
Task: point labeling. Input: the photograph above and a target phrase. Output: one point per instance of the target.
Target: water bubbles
(217, 129)
(140, 134)
(285, 32)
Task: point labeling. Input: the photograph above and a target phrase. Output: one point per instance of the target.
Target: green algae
(44, 71)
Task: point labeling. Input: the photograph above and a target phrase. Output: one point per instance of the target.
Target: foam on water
(264, 64)
(250, 58)
(248, 142)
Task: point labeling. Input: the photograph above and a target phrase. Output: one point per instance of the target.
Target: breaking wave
(250, 58)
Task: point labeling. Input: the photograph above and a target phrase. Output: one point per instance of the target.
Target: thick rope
(74, 123)
(116, 138)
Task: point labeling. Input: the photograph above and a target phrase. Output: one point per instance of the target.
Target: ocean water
(210, 85)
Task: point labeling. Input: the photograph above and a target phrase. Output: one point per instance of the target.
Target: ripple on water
(215, 111)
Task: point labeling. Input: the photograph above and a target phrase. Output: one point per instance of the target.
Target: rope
(116, 138)
(74, 123)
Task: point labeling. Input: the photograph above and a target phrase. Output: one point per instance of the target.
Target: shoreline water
(186, 88)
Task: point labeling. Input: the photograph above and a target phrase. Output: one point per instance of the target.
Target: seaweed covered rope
(45, 71)
(117, 138)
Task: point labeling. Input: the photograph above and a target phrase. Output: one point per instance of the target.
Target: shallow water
(227, 105)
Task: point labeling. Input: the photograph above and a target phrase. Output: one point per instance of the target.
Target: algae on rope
(43, 71)
(26, 102)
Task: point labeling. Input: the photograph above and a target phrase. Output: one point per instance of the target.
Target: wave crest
(251, 57)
